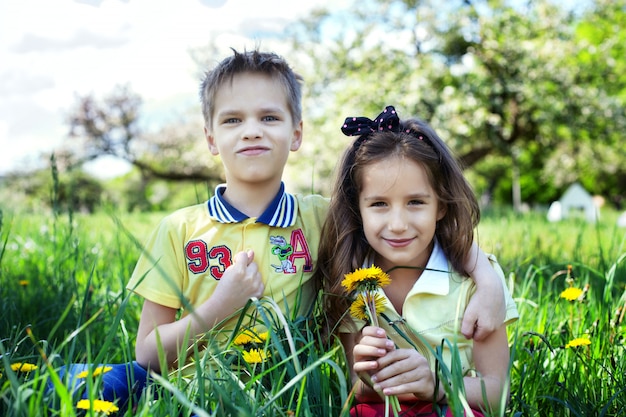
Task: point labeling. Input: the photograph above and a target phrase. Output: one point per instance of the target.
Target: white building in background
(576, 201)
(621, 220)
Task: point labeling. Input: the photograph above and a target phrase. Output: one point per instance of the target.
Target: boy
(252, 238)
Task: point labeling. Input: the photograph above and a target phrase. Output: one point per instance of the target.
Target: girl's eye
(378, 204)
(231, 120)
(416, 202)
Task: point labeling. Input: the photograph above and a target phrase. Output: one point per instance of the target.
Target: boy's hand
(240, 282)
(485, 312)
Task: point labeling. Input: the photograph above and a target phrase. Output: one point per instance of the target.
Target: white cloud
(81, 38)
(14, 82)
(52, 51)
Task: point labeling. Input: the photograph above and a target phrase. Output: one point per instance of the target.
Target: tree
(501, 82)
(111, 127)
(597, 150)
(174, 153)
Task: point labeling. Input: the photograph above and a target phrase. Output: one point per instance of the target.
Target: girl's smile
(399, 243)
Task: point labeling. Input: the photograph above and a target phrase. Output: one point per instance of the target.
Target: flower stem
(370, 302)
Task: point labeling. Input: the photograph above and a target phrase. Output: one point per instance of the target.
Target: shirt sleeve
(158, 275)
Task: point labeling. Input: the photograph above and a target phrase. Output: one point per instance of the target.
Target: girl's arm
(486, 310)
(491, 358)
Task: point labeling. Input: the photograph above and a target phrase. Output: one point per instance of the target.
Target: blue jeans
(117, 385)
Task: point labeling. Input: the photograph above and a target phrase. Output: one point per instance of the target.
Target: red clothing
(416, 409)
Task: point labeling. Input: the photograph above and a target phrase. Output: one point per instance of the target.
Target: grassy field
(63, 300)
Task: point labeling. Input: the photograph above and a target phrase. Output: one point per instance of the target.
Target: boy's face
(253, 129)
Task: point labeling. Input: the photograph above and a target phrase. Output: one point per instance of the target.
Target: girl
(401, 203)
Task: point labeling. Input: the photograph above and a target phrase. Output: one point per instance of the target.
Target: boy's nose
(252, 130)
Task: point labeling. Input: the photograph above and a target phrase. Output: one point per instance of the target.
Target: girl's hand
(404, 371)
(392, 371)
(373, 345)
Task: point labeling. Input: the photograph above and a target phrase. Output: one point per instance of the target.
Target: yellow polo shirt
(187, 254)
(433, 309)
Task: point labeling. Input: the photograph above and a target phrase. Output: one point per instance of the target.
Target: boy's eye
(269, 118)
(231, 120)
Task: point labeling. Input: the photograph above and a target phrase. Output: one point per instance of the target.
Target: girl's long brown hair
(343, 246)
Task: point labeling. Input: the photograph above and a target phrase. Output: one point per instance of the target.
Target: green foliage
(132, 193)
(54, 279)
(76, 191)
(530, 95)
(79, 192)
(75, 309)
(527, 87)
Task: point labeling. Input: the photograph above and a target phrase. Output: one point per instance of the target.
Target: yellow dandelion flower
(571, 293)
(365, 279)
(579, 341)
(254, 356)
(262, 337)
(106, 407)
(23, 367)
(250, 336)
(24, 282)
(358, 309)
(99, 370)
(242, 339)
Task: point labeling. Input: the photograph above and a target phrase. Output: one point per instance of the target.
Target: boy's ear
(211, 142)
(296, 141)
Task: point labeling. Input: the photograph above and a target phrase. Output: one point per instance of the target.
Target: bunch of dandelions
(365, 283)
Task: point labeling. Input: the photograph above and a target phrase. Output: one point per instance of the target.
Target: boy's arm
(156, 329)
(486, 309)
(159, 331)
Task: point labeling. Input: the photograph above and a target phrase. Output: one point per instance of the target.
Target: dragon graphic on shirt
(282, 250)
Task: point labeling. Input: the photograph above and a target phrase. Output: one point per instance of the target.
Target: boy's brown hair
(255, 61)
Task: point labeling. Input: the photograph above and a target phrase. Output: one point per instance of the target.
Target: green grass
(63, 300)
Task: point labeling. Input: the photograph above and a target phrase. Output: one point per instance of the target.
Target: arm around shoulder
(487, 307)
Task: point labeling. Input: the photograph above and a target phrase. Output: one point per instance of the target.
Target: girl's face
(400, 210)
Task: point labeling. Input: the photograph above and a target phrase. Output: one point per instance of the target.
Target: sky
(52, 51)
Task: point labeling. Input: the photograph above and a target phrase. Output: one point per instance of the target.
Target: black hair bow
(387, 120)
